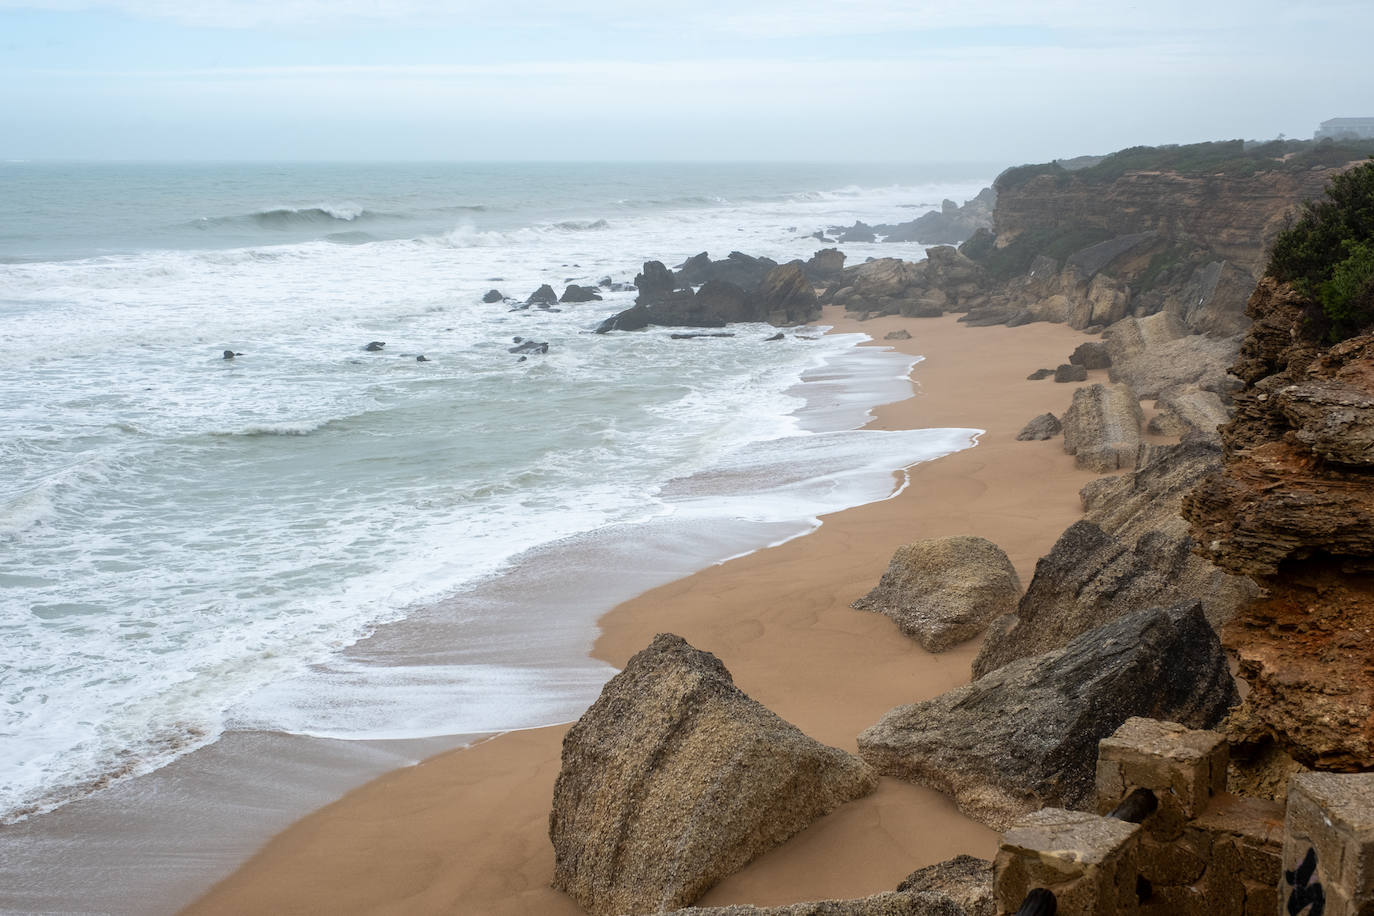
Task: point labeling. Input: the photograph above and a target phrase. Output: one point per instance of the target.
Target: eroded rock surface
(1025, 736)
(944, 591)
(892, 903)
(1045, 426)
(967, 880)
(674, 778)
(1102, 427)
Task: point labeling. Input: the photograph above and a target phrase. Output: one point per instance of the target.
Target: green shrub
(1328, 254)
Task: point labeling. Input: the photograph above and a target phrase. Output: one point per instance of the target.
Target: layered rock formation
(1293, 506)
(1025, 736)
(945, 281)
(967, 880)
(1102, 427)
(893, 903)
(944, 591)
(674, 778)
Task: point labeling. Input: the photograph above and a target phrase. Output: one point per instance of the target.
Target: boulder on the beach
(492, 295)
(945, 591)
(544, 295)
(786, 295)
(1039, 374)
(375, 346)
(575, 293)
(967, 880)
(892, 903)
(825, 265)
(1102, 428)
(1025, 736)
(1045, 426)
(1091, 355)
(902, 334)
(674, 778)
(1068, 372)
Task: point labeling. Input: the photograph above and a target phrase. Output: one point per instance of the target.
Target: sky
(806, 80)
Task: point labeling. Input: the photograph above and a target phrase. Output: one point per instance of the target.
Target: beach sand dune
(467, 831)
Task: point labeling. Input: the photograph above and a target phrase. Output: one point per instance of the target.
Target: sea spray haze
(189, 544)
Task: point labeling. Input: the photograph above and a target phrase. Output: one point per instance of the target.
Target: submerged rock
(529, 346)
(944, 591)
(544, 295)
(375, 346)
(674, 778)
(1025, 736)
(492, 295)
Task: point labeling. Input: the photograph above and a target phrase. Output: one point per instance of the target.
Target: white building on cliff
(1346, 129)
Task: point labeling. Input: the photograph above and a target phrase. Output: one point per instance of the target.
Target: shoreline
(470, 825)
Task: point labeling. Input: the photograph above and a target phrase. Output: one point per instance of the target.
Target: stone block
(1088, 862)
(1328, 844)
(1184, 767)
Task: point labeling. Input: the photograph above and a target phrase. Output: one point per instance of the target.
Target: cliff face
(1234, 217)
(1293, 506)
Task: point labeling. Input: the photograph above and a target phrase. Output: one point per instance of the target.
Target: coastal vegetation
(1328, 256)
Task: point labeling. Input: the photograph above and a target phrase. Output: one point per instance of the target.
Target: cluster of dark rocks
(949, 225)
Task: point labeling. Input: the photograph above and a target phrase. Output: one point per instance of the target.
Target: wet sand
(467, 831)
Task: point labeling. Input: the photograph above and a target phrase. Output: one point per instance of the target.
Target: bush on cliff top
(1328, 254)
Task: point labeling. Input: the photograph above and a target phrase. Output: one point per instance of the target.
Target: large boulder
(654, 283)
(543, 296)
(1025, 736)
(825, 265)
(892, 903)
(1102, 427)
(674, 779)
(945, 591)
(1090, 578)
(744, 271)
(786, 295)
(575, 293)
(966, 880)
(1091, 355)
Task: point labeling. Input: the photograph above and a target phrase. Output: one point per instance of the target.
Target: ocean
(319, 541)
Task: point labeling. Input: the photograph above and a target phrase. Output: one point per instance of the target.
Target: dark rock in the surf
(1025, 735)
(422, 358)
(744, 271)
(375, 346)
(859, 232)
(720, 302)
(635, 318)
(944, 591)
(654, 283)
(1039, 374)
(674, 778)
(529, 346)
(492, 295)
(575, 293)
(965, 879)
(605, 283)
(778, 336)
(516, 339)
(1091, 355)
(230, 354)
(544, 295)
(1045, 426)
(696, 270)
(902, 334)
(787, 297)
(700, 334)
(820, 236)
(1068, 372)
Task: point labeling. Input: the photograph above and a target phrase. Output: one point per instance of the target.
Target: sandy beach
(466, 831)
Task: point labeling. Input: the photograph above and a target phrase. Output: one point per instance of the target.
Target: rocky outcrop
(1190, 412)
(544, 296)
(1025, 736)
(1131, 551)
(782, 295)
(674, 778)
(949, 225)
(575, 293)
(1293, 506)
(786, 297)
(1102, 427)
(945, 281)
(944, 591)
(907, 903)
(744, 271)
(1092, 354)
(1157, 354)
(966, 880)
(825, 265)
(1045, 426)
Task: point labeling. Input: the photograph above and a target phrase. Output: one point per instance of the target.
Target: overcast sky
(1000, 80)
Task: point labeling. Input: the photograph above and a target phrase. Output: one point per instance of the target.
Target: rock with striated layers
(906, 903)
(1102, 427)
(1156, 354)
(1090, 578)
(1333, 419)
(1025, 736)
(1045, 426)
(944, 591)
(674, 779)
(1189, 412)
(786, 296)
(966, 880)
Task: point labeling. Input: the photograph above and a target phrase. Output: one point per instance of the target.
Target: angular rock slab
(967, 880)
(674, 779)
(1025, 736)
(1102, 428)
(944, 591)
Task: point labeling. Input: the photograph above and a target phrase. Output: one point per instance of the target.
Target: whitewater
(315, 540)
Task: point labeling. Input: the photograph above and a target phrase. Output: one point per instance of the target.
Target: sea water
(312, 538)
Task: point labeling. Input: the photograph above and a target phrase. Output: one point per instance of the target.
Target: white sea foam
(195, 543)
